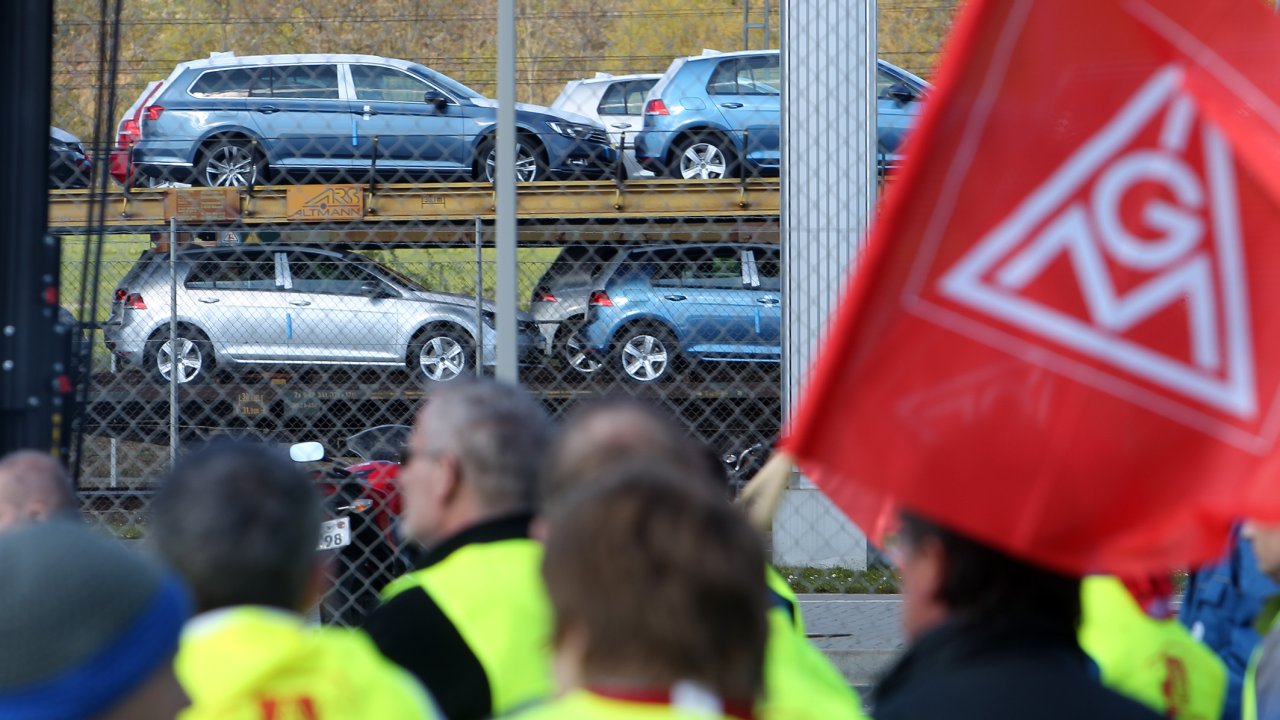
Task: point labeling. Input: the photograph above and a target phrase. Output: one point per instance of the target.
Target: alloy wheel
(703, 161)
(230, 166)
(645, 357)
(442, 359)
(190, 360)
(526, 164)
(575, 353)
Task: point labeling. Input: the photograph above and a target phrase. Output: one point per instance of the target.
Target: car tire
(442, 354)
(530, 164)
(230, 162)
(195, 356)
(645, 353)
(572, 351)
(704, 156)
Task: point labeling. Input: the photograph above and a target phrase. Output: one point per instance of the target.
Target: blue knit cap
(83, 621)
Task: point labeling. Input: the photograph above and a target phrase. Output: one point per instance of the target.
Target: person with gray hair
(241, 523)
(473, 621)
(33, 487)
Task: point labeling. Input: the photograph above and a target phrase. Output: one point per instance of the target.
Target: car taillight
(133, 301)
(153, 112)
(544, 294)
(121, 294)
(655, 107)
(600, 298)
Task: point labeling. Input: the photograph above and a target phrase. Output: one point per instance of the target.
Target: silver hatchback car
(295, 305)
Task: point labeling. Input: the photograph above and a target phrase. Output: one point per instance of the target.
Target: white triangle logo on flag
(1195, 259)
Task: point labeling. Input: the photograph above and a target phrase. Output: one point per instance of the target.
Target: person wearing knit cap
(88, 628)
(241, 523)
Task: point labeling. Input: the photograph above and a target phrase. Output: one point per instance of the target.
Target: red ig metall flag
(1064, 339)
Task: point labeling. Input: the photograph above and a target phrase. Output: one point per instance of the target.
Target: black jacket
(1006, 670)
(412, 630)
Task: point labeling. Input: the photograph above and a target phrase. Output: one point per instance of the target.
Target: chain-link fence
(287, 243)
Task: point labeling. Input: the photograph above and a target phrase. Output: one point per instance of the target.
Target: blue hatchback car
(238, 121)
(714, 115)
(657, 305)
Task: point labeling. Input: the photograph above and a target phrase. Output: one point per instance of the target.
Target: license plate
(335, 533)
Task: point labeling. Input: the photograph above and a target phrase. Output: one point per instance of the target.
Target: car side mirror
(902, 93)
(436, 98)
(374, 289)
(306, 452)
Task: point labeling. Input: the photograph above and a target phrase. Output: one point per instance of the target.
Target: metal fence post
(173, 340)
(505, 221)
(479, 298)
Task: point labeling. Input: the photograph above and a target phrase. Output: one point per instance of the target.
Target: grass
(876, 580)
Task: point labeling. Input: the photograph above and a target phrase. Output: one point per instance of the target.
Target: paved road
(862, 634)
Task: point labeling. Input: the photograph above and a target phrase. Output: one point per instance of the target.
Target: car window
(885, 80)
(374, 82)
(625, 98)
(302, 82)
(253, 271)
(324, 274)
(721, 268)
(232, 83)
(769, 269)
(746, 76)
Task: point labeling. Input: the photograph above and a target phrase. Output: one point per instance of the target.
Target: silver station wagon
(265, 305)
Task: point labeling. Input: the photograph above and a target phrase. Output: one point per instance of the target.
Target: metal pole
(115, 442)
(479, 298)
(505, 225)
(173, 340)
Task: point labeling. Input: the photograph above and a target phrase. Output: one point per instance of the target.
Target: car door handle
(731, 106)
(621, 126)
(768, 301)
(300, 303)
(369, 111)
(267, 109)
(209, 301)
(676, 298)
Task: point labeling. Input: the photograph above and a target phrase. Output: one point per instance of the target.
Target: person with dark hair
(33, 487)
(242, 524)
(472, 621)
(659, 602)
(89, 628)
(799, 681)
(992, 637)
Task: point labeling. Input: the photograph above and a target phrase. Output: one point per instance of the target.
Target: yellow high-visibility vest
(492, 592)
(250, 663)
(1153, 661)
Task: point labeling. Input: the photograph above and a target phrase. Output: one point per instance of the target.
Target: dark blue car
(242, 121)
(656, 306)
(714, 115)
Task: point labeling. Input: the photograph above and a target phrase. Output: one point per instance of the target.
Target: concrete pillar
(828, 198)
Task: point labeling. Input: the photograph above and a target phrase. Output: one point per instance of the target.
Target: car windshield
(446, 82)
(382, 442)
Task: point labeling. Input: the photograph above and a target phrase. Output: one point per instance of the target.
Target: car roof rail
(707, 52)
(602, 75)
(222, 54)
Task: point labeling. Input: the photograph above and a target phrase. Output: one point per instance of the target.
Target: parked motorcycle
(361, 507)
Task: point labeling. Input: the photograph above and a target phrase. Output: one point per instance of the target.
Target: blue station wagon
(236, 121)
(657, 305)
(714, 115)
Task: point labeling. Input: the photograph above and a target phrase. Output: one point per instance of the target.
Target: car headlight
(576, 131)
